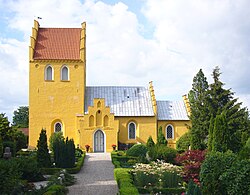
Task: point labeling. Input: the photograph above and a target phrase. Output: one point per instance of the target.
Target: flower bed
(157, 177)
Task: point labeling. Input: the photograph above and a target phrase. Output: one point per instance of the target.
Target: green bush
(124, 181)
(150, 142)
(1, 147)
(56, 136)
(162, 152)
(170, 180)
(193, 189)
(215, 164)
(10, 176)
(183, 142)
(137, 150)
(161, 140)
(236, 179)
(68, 180)
(43, 156)
(74, 170)
(245, 151)
(29, 169)
(56, 190)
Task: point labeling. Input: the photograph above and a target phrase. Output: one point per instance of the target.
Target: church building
(98, 116)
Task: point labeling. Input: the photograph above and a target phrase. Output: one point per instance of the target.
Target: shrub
(191, 161)
(56, 136)
(161, 140)
(43, 156)
(137, 150)
(1, 147)
(236, 178)
(193, 189)
(162, 152)
(124, 181)
(183, 142)
(64, 153)
(170, 180)
(29, 169)
(150, 142)
(10, 176)
(245, 151)
(212, 168)
(56, 189)
(67, 179)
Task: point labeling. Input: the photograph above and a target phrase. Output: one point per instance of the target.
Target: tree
(161, 140)
(150, 142)
(5, 128)
(235, 117)
(220, 136)
(53, 138)
(43, 156)
(21, 117)
(183, 142)
(198, 98)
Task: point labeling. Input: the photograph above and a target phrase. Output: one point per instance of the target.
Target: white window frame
(169, 125)
(46, 74)
(55, 127)
(64, 66)
(128, 130)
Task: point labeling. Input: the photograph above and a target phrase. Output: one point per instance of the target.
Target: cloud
(186, 36)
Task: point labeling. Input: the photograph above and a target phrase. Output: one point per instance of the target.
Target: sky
(132, 42)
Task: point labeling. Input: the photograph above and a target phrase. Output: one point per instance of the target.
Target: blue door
(99, 141)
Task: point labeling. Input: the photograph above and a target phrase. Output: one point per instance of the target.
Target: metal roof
(123, 101)
(171, 110)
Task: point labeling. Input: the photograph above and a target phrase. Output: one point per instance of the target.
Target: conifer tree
(236, 118)
(150, 142)
(198, 98)
(210, 134)
(161, 140)
(43, 156)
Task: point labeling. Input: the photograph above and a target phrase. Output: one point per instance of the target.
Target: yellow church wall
(98, 118)
(180, 128)
(56, 100)
(145, 127)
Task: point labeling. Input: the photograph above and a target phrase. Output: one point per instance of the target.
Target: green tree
(236, 118)
(43, 156)
(221, 137)
(150, 142)
(21, 117)
(5, 128)
(161, 140)
(210, 135)
(183, 142)
(198, 98)
(53, 138)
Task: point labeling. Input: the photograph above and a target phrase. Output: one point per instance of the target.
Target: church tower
(57, 80)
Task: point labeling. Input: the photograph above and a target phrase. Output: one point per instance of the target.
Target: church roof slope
(123, 101)
(58, 43)
(171, 110)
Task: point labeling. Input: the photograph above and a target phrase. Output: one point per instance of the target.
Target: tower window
(49, 73)
(170, 132)
(58, 127)
(131, 130)
(64, 73)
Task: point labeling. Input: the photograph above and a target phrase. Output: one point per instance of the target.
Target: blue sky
(134, 42)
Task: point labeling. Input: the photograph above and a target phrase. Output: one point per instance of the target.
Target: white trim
(172, 131)
(55, 127)
(64, 66)
(135, 130)
(45, 73)
(93, 138)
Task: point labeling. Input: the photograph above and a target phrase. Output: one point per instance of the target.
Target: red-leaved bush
(191, 161)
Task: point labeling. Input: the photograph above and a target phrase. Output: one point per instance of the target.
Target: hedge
(120, 160)
(124, 181)
(74, 170)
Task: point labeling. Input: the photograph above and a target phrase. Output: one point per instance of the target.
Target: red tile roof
(58, 43)
(24, 130)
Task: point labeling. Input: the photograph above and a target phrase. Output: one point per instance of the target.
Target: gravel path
(96, 176)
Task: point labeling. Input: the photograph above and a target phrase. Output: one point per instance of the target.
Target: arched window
(131, 130)
(58, 127)
(170, 132)
(91, 121)
(64, 73)
(49, 73)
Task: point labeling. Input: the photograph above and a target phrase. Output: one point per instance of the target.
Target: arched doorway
(99, 141)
